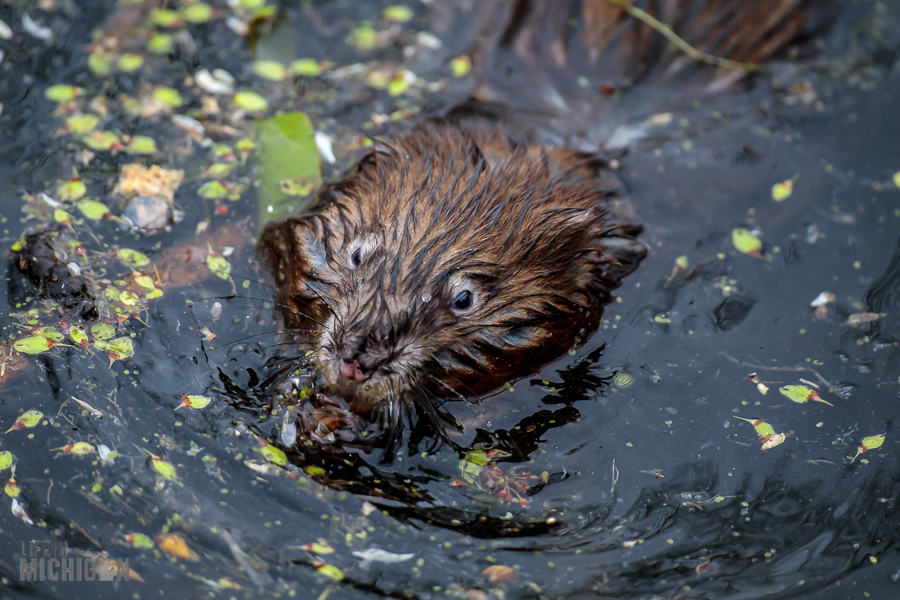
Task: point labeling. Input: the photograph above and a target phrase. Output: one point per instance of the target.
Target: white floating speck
(35, 30)
(19, 511)
(5, 32)
(211, 84)
(822, 299)
(189, 124)
(429, 40)
(323, 143)
(382, 556)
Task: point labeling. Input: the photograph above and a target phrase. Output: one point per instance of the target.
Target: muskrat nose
(351, 370)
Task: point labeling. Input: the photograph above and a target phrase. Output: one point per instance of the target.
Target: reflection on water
(624, 471)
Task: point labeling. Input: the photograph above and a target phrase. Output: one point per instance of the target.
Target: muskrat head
(451, 262)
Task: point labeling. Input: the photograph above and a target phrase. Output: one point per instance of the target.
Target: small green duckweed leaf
(398, 13)
(100, 63)
(129, 298)
(133, 258)
(218, 170)
(144, 281)
(62, 217)
(397, 85)
(212, 189)
(34, 344)
(199, 12)
(219, 265)
(78, 335)
(460, 66)
(165, 469)
(252, 4)
(130, 62)
(321, 547)
(363, 38)
(251, 101)
(82, 123)
(119, 349)
(71, 190)
(154, 293)
(12, 488)
(306, 67)
(168, 95)
(271, 70)
(161, 43)
(896, 179)
(801, 394)
(100, 140)
(165, 17)
(77, 448)
(27, 420)
(196, 402)
(53, 334)
(782, 190)
(92, 209)
(869, 443)
(103, 331)
(6, 460)
(138, 540)
(330, 571)
(141, 144)
(273, 455)
(62, 93)
(744, 241)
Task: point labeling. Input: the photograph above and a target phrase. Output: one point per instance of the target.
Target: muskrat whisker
(455, 392)
(249, 337)
(274, 303)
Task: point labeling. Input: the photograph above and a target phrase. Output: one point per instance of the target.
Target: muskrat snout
(351, 370)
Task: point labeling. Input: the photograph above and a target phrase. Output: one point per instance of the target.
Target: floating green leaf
(92, 209)
(139, 540)
(71, 190)
(81, 123)
(218, 170)
(251, 101)
(103, 331)
(199, 12)
(161, 43)
(6, 460)
(165, 17)
(141, 144)
(801, 394)
(271, 70)
(212, 189)
(287, 151)
(330, 571)
(61, 216)
(869, 443)
(763, 429)
(129, 298)
(399, 13)
(363, 38)
(119, 349)
(746, 242)
(78, 335)
(130, 62)
(782, 190)
(273, 455)
(100, 63)
(34, 344)
(100, 140)
(62, 93)
(27, 420)
(196, 402)
(78, 448)
(321, 547)
(306, 66)
(52, 333)
(144, 281)
(897, 179)
(165, 469)
(219, 265)
(168, 95)
(133, 258)
(460, 66)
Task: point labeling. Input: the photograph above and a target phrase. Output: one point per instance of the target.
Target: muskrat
(450, 261)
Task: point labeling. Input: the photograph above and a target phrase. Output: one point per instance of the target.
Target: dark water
(639, 480)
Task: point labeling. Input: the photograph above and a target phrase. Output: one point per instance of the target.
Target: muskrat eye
(356, 258)
(463, 301)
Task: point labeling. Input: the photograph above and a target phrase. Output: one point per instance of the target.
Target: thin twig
(682, 45)
(824, 381)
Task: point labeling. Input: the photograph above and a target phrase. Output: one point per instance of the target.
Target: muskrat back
(450, 261)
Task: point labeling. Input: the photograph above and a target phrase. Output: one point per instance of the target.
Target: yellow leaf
(175, 545)
(746, 242)
(782, 190)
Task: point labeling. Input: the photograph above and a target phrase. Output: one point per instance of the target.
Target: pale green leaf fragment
(897, 179)
(168, 95)
(27, 420)
(129, 298)
(270, 69)
(165, 17)
(82, 123)
(460, 66)
(78, 335)
(100, 63)
(250, 101)
(398, 14)
(196, 402)
(145, 281)
(219, 170)
(61, 216)
(199, 12)
(252, 4)
(782, 190)
(872, 442)
(81, 448)
(130, 62)
(62, 93)
(100, 140)
(212, 189)
(34, 344)
(133, 258)
(161, 43)
(6, 460)
(744, 241)
(92, 209)
(306, 66)
(219, 265)
(274, 455)
(332, 572)
(165, 469)
(119, 349)
(141, 144)
(51, 333)
(103, 331)
(363, 38)
(71, 190)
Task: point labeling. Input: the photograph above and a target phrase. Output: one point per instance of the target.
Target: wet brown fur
(536, 235)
